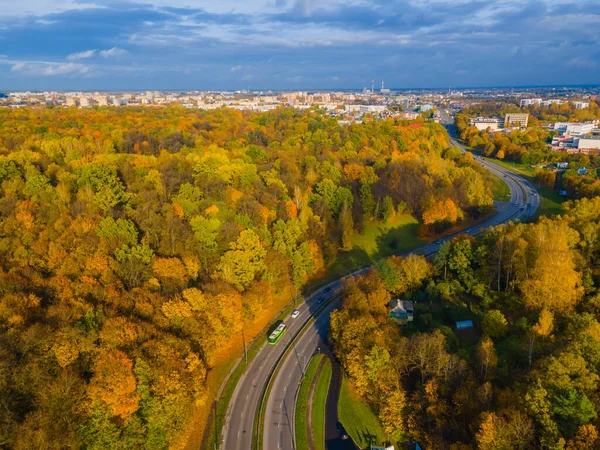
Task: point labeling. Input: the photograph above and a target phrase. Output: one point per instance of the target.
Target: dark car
(327, 289)
(342, 431)
(439, 241)
(320, 300)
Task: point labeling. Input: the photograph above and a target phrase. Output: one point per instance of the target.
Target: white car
(295, 313)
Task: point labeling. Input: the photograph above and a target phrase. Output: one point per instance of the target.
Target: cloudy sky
(296, 44)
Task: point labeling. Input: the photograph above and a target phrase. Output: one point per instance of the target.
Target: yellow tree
(551, 255)
(114, 384)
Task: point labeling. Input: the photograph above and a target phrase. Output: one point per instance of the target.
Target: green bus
(276, 334)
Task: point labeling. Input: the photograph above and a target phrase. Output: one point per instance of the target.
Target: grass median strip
(303, 401)
(318, 405)
(358, 419)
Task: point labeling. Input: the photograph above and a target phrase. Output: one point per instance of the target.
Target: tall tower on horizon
(372, 85)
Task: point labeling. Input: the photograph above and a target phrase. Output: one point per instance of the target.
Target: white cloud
(236, 68)
(49, 69)
(81, 55)
(12, 8)
(115, 51)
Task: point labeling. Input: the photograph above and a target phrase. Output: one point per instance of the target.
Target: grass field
(521, 169)
(302, 401)
(550, 203)
(499, 187)
(358, 419)
(318, 406)
(378, 240)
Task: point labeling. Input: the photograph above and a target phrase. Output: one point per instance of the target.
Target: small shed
(402, 311)
(464, 324)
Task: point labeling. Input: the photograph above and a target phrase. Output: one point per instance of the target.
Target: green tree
(494, 324)
(243, 261)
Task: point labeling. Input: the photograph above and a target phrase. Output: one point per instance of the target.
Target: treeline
(565, 112)
(526, 376)
(579, 180)
(135, 242)
(529, 146)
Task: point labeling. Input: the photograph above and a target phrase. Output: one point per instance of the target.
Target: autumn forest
(136, 243)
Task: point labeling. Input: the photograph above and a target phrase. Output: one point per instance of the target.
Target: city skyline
(289, 45)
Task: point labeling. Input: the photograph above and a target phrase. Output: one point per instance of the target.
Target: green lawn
(499, 187)
(318, 406)
(378, 240)
(358, 419)
(302, 402)
(550, 203)
(521, 169)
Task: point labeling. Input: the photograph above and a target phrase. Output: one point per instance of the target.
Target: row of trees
(565, 112)
(528, 146)
(136, 242)
(527, 377)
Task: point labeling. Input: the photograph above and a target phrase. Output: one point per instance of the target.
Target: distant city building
(581, 105)
(530, 101)
(573, 128)
(520, 120)
(102, 100)
(365, 108)
(484, 123)
(409, 115)
(588, 143)
(551, 102)
(84, 102)
(426, 107)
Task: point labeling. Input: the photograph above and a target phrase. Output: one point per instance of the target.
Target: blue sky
(296, 44)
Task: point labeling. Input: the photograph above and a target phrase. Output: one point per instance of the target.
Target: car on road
(327, 289)
(342, 430)
(320, 300)
(468, 230)
(522, 209)
(295, 313)
(439, 241)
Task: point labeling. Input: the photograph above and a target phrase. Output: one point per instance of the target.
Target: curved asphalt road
(280, 407)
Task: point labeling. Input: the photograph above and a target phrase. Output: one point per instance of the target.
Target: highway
(281, 403)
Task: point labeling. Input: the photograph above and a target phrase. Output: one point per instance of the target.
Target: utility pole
(244, 341)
